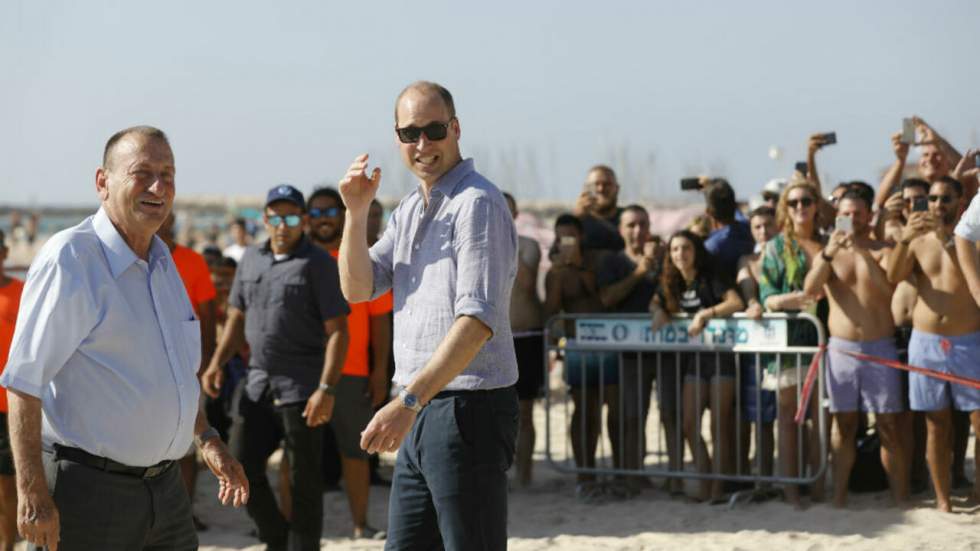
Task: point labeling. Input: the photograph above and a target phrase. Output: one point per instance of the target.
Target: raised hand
(357, 189)
(900, 149)
(919, 223)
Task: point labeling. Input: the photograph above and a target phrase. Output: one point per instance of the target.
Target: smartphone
(829, 138)
(908, 132)
(690, 184)
(920, 203)
(844, 224)
(801, 167)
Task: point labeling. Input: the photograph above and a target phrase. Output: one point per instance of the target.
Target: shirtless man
(570, 287)
(526, 321)
(849, 269)
(946, 327)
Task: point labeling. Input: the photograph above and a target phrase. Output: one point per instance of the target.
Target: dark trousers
(257, 429)
(110, 511)
(449, 489)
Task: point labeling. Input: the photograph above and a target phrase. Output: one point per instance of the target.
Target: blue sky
(257, 93)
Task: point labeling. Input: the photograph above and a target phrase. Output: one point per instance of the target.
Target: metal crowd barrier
(618, 360)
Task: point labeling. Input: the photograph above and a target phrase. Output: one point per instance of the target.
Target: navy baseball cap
(285, 192)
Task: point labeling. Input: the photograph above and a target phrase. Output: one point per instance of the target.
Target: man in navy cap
(286, 302)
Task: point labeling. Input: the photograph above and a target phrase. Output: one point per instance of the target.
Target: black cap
(285, 192)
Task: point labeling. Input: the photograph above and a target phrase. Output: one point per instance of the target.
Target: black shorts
(6, 455)
(352, 412)
(530, 366)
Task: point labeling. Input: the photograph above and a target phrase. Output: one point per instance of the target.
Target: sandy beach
(549, 516)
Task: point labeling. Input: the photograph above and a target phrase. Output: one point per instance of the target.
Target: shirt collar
(300, 250)
(449, 181)
(118, 253)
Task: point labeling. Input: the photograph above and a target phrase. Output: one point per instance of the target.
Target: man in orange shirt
(364, 381)
(196, 275)
(10, 290)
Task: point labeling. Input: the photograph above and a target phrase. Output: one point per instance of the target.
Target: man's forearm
(25, 441)
(818, 276)
(333, 363)
(354, 261)
(898, 264)
(232, 338)
(615, 293)
(888, 182)
(463, 342)
(966, 253)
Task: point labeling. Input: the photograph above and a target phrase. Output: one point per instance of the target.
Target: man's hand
(838, 240)
(815, 142)
(388, 428)
(919, 223)
(926, 134)
(319, 408)
(356, 188)
(37, 519)
(377, 387)
(796, 300)
(212, 379)
(894, 206)
(967, 167)
(645, 265)
(584, 204)
(900, 149)
(232, 482)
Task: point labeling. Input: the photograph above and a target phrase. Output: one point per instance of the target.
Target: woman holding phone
(689, 285)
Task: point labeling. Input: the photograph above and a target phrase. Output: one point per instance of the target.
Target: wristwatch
(208, 434)
(330, 390)
(409, 400)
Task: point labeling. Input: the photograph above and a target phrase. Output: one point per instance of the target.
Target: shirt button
(413, 279)
(417, 246)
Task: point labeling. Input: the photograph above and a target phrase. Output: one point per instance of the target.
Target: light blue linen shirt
(455, 257)
(110, 344)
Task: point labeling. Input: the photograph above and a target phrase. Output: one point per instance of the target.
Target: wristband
(208, 434)
(329, 390)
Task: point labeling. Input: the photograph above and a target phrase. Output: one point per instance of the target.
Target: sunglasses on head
(805, 202)
(944, 199)
(320, 213)
(291, 220)
(434, 131)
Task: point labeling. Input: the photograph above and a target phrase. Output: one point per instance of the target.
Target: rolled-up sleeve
(969, 224)
(485, 245)
(383, 257)
(57, 312)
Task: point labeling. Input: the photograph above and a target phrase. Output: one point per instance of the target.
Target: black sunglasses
(805, 201)
(320, 213)
(434, 131)
(944, 199)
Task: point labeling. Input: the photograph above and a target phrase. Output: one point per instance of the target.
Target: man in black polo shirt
(286, 302)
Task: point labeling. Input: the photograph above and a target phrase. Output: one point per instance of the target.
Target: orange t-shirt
(9, 302)
(194, 272)
(359, 331)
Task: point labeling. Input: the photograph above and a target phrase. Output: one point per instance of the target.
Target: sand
(548, 516)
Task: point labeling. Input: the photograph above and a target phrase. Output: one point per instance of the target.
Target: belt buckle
(154, 471)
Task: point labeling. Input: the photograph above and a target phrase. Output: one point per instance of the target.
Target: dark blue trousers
(449, 488)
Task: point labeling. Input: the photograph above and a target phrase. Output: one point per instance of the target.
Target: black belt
(82, 457)
(474, 392)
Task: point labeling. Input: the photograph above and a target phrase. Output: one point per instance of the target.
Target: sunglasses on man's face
(321, 213)
(434, 131)
(804, 202)
(943, 199)
(291, 220)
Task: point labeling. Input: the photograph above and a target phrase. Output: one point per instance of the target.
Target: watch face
(410, 400)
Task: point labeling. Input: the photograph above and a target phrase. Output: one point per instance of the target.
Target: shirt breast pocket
(190, 344)
(292, 293)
